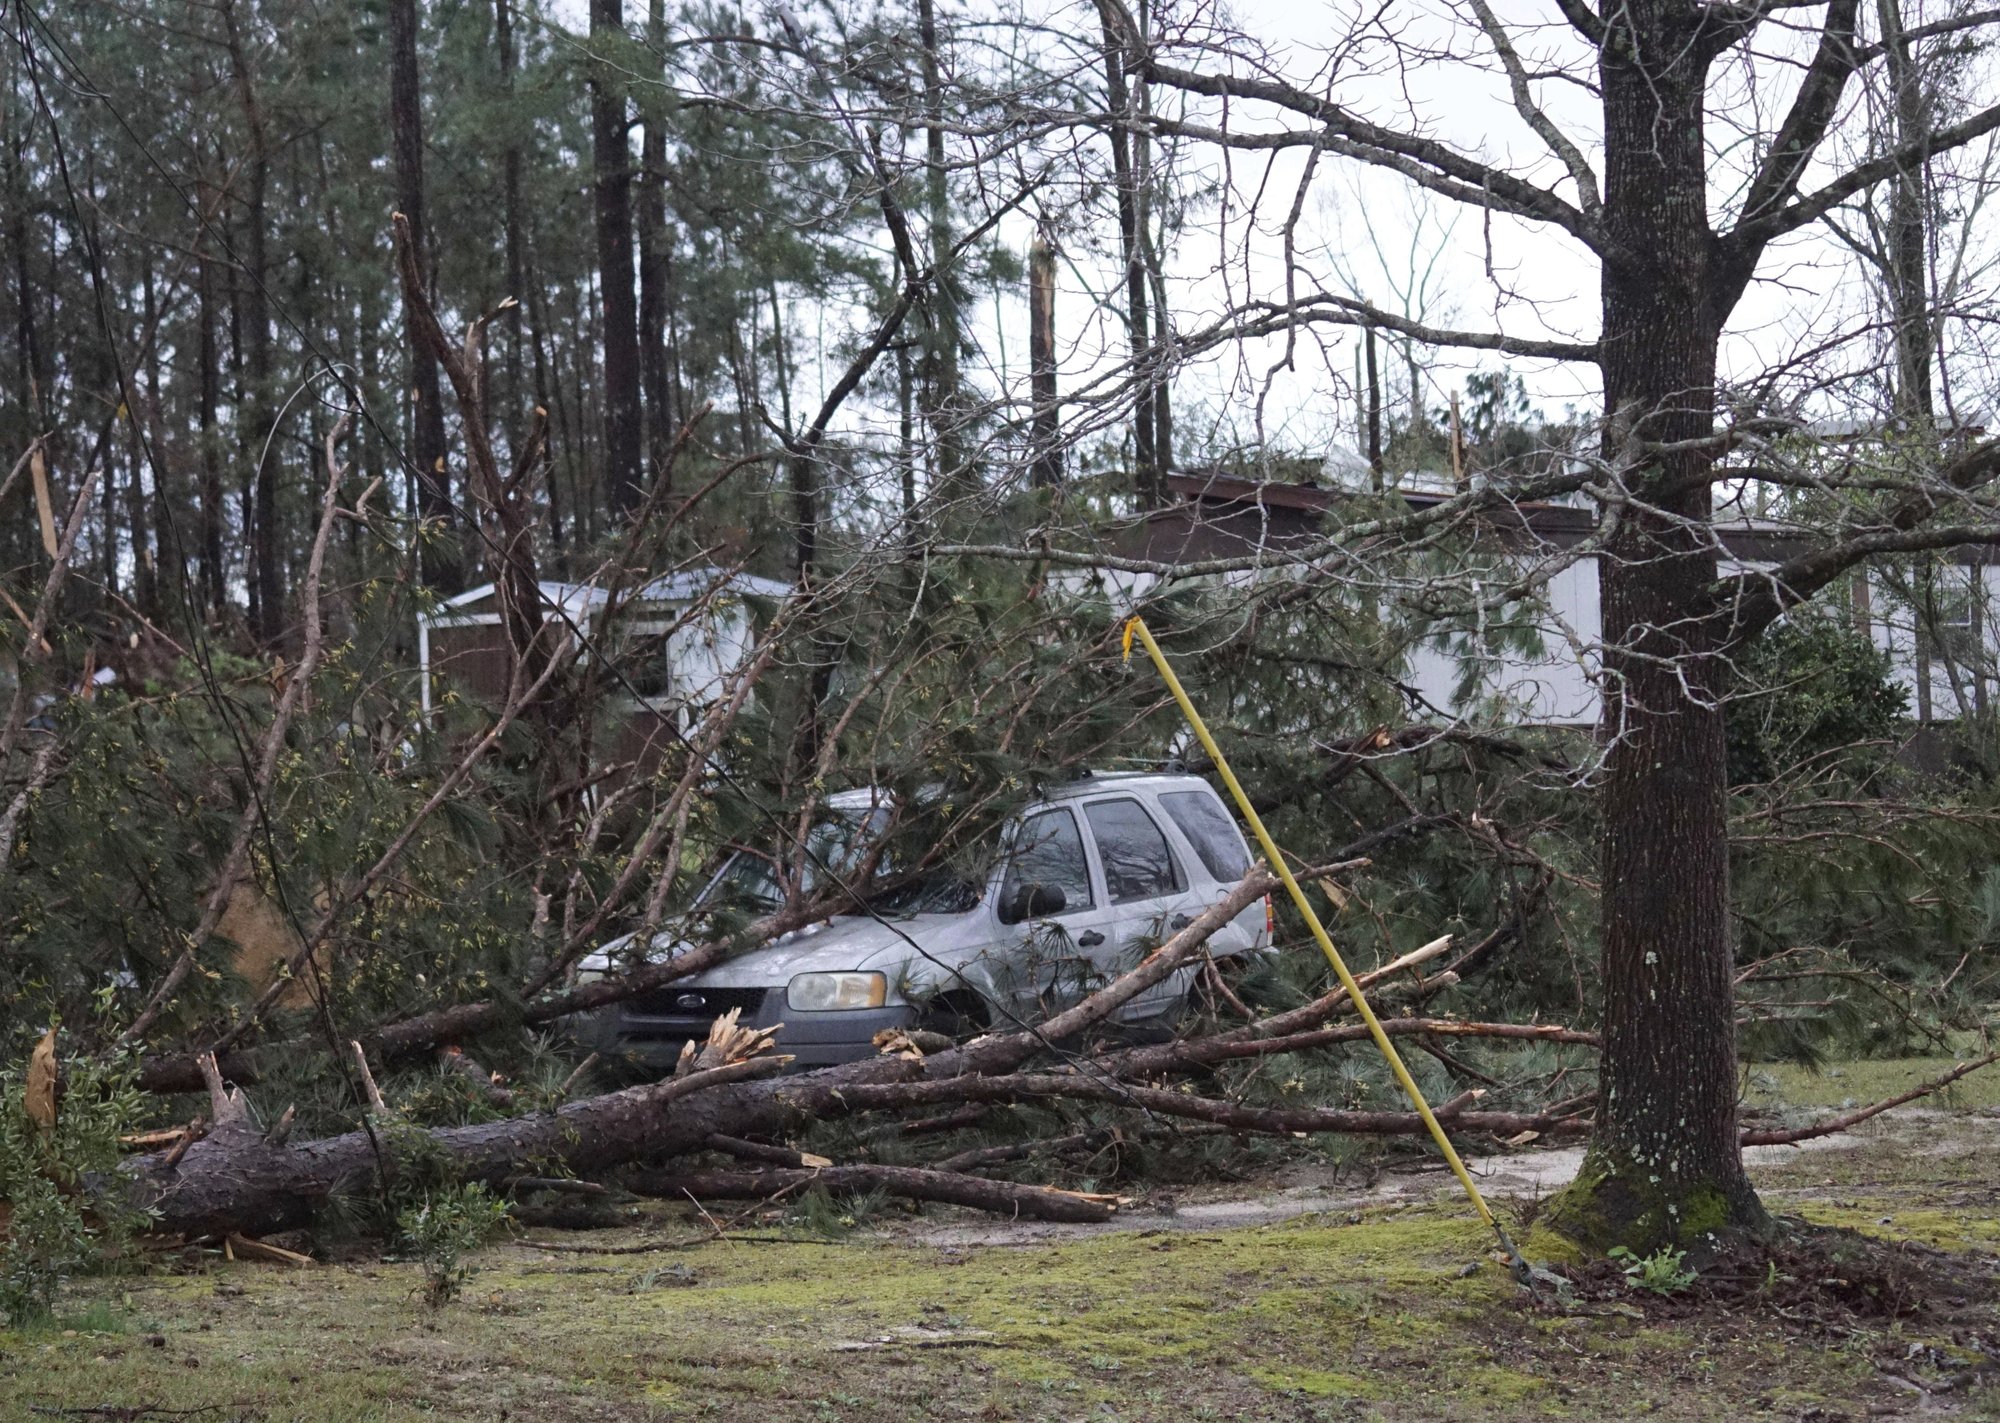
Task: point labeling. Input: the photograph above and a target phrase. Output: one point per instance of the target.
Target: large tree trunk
(611, 150)
(427, 442)
(1663, 1163)
(31, 375)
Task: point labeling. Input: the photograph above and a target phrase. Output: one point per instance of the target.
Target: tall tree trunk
(1163, 390)
(169, 490)
(549, 396)
(611, 150)
(941, 403)
(1375, 469)
(510, 186)
(440, 562)
(1908, 257)
(1663, 1164)
(906, 444)
(1158, 398)
(267, 601)
(655, 242)
(31, 372)
(145, 566)
(1146, 480)
(209, 358)
(1045, 453)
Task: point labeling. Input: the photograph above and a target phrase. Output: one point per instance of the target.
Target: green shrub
(441, 1227)
(62, 1219)
(1806, 690)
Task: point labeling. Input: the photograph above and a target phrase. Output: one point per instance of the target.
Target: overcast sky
(1373, 233)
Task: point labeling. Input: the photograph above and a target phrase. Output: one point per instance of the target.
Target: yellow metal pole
(1136, 627)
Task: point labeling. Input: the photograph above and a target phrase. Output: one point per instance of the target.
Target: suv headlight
(828, 992)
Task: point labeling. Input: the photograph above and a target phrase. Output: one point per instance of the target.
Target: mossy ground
(1317, 1318)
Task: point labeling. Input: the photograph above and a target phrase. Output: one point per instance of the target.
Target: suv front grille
(677, 1000)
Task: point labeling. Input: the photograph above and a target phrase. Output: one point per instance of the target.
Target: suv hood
(829, 946)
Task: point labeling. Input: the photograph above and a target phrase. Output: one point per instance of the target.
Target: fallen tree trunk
(236, 1180)
(912, 1183)
(1165, 1101)
(1207, 1050)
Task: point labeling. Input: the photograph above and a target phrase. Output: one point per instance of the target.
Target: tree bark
(31, 372)
(1157, 396)
(611, 151)
(440, 566)
(1663, 1165)
(236, 1179)
(209, 356)
(1375, 469)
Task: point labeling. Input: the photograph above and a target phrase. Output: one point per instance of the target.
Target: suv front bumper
(653, 1031)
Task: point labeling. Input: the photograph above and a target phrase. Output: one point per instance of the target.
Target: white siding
(1555, 686)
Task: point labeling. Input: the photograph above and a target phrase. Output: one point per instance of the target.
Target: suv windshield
(839, 843)
(934, 892)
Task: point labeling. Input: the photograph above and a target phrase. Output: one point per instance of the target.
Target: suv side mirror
(1032, 901)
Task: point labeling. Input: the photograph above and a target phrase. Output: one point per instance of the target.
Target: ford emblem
(690, 1000)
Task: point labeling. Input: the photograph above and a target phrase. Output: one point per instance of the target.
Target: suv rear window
(1137, 862)
(1212, 833)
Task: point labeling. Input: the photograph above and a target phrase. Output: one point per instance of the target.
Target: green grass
(1317, 1318)
(1301, 1321)
(1857, 1084)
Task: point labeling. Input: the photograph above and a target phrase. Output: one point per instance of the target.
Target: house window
(647, 666)
(1948, 620)
(1951, 596)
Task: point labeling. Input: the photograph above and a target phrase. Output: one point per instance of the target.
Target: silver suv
(1087, 880)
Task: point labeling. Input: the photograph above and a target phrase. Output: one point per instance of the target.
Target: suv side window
(1137, 862)
(1049, 850)
(1212, 833)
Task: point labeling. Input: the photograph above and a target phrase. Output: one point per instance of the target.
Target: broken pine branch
(1830, 1125)
(913, 1183)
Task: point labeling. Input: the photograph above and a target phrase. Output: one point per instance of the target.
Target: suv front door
(1050, 961)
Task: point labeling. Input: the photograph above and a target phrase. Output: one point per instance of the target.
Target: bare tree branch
(1559, 143)
(1750, 237)
(1454, 173)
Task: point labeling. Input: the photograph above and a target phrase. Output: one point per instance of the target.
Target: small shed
(672, 664)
